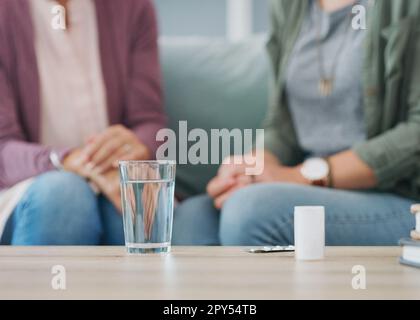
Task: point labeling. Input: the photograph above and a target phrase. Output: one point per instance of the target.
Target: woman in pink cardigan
(80, 89)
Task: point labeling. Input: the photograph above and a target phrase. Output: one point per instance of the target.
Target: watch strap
(56, 161)
(330, 181)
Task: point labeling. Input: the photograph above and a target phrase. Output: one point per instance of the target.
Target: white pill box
(309, 233)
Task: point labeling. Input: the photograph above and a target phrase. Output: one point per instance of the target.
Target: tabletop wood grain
(203, 273)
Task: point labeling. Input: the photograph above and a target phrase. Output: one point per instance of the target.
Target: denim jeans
(263, 215)
(60, 208)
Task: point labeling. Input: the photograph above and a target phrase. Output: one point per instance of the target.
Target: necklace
(326, 83)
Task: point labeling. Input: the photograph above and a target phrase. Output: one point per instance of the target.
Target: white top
(73, 95)
(72, 91)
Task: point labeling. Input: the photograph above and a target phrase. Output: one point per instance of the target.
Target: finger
(123, 153)
(100, 140)
(138, 153)
(220, 200)
(231, 167)
(132, 197)
(91, 138)
(244, 180)
(154, 191)
(108, 149)
(108, 185)
(219, 185)
(148, 208)
(95, 144)
(233, 171)
(99, 180)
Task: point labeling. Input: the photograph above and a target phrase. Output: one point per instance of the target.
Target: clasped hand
(232, 177)
(98, 160)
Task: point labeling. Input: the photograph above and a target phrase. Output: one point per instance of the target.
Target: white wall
(204, 17)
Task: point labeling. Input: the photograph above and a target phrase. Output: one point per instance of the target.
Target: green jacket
(391, 90)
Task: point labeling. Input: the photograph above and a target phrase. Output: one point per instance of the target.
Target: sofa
(213, 84)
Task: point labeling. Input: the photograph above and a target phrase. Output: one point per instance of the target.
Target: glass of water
(147, 195)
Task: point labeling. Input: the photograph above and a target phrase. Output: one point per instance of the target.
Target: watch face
(315, 169)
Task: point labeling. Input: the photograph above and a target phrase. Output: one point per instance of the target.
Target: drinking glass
(147, 195)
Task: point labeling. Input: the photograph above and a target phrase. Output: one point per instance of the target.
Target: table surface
(203, 273)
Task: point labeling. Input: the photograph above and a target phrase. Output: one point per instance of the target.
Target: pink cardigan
(130, 66)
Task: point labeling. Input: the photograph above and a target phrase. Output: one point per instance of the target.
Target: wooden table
(202, 273)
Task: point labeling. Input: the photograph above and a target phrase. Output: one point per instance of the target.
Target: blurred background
(215, 70)
(214, 18)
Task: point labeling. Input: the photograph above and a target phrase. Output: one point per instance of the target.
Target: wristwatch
(317, 171)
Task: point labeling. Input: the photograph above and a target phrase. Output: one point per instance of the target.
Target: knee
(188, 212)
(238, 218)
(60, 189)
(60, 208)
(196, 222)
(257, 215)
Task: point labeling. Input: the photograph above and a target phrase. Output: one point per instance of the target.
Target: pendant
(326, 87)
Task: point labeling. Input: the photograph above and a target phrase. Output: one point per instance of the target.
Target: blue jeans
(60, 208)
(263, 215)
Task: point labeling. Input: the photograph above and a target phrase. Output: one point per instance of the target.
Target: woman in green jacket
(343, 131)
